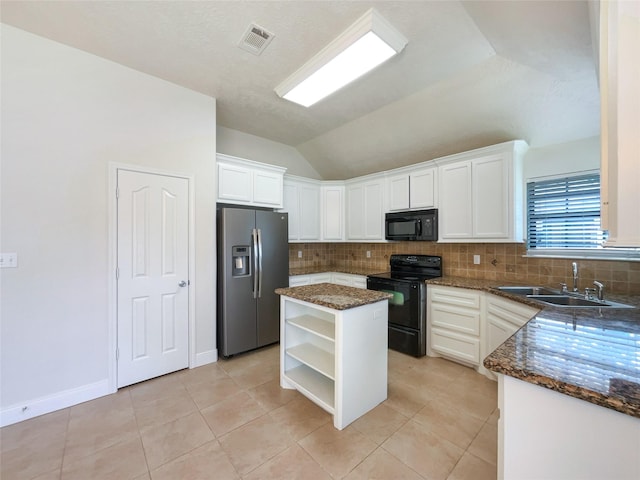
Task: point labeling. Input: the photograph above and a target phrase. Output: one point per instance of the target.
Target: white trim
(205, 358)
(576, 173)
(631, 255)
(39, 406)
(113, 239)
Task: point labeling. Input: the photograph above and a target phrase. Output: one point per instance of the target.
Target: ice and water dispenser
(240, 260)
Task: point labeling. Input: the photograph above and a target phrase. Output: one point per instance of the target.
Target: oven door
(405, 307)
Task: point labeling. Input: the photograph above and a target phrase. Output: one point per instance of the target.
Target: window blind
(564, 213)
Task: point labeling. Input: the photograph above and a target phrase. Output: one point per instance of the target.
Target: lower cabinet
(336, 358)
(454, 318)
(348, 279)
(467, 325)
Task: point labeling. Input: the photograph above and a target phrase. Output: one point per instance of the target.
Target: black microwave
(412, 225)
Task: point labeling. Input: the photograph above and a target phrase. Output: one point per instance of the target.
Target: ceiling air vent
(255, 39)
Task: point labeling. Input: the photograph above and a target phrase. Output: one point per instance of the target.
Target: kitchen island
(568, 391)
(333, 347)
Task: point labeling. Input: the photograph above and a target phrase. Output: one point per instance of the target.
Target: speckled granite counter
(588, 353)
(352, 271)
(338, 297)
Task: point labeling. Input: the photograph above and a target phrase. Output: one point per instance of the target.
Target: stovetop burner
(413, 268)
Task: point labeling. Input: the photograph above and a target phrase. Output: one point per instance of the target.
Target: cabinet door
(309, 198)
(267, 188)
(498, 331)
(234, 183)
(333, 213)
(355, 212)
(422, 189)
(398, 188)
(292, 207)
(491, 199)
(373, 211)
(455, 215)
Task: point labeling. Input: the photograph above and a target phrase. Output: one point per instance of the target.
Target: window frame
(599, 253)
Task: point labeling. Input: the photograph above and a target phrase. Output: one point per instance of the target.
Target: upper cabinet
(303, 204)
(365, 214)
(480, 194)
(620, 120)
(332, 207)
(412, 189)
(245, 182)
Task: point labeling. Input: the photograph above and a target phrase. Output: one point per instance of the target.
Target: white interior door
(153, 275)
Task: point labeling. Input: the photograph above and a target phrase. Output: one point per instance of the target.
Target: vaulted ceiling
(473, 74)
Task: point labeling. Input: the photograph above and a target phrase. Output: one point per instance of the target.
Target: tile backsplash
(498, 261)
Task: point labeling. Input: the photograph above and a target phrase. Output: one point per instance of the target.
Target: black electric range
(408, 306)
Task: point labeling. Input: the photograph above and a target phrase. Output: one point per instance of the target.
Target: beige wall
(510, 265)
(66, 115)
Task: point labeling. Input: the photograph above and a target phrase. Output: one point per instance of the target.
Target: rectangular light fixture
(370, 41)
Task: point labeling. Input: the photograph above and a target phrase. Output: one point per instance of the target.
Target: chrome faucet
(574, 269)
(599, 289)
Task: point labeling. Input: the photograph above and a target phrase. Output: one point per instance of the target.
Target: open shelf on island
(318, 326)
(313, 385)
(315, 358)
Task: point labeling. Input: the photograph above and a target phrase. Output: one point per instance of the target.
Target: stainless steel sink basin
(560, 299)
(529, 290)
(569, 301)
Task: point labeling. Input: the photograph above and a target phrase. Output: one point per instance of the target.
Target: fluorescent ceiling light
(362, 47)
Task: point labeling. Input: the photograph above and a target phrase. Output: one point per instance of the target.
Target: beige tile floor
(231, 420)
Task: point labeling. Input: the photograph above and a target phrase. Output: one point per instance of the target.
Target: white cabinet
(503, 318)
(365, 215)
(310, 279)
(244, 182)
(620, 118)
(546, 434)
(454, 323)
(302, 203)
(467, 325)
(481, 195)
(332, 206)
(348, 279)
(412, 189)
(336, 358)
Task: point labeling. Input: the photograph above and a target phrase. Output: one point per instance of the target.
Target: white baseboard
(51, 403)
(204, 358)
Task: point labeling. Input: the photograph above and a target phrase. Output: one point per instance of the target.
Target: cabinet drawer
(456, 345)
(455, 318)
(455, 296)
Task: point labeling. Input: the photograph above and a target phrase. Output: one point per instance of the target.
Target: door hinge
(117, 273)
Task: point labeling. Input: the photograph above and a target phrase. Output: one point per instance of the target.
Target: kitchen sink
(560, 299)
(529, 290)
(569, 301)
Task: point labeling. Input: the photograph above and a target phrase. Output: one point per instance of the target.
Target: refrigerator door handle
(256, 254)
(259, 263)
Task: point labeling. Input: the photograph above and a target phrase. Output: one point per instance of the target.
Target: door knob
(182, 284)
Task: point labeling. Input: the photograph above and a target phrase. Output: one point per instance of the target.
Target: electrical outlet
(299, 253)
(8, 260)
(476, 259)
(368, 253)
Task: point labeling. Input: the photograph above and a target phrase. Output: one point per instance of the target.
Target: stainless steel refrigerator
(253, 260)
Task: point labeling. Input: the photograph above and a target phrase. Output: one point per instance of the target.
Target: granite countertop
(338, 297)
(325, 269)
(588, 353)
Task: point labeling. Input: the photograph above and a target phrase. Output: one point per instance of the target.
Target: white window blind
(564, 213)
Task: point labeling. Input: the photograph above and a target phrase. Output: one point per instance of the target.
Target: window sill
(620, 254)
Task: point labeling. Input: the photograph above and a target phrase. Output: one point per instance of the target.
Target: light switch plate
(476, 259)
(8, 260)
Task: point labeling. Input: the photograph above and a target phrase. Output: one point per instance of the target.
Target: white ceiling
(473, 73)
